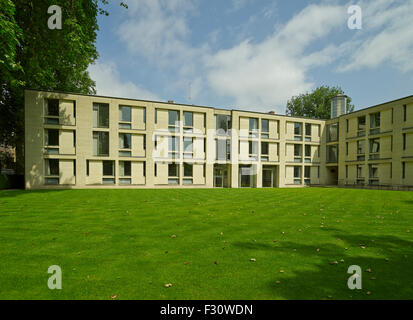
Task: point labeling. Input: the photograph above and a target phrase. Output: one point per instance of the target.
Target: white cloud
(386, 38)
(109, 83)
(266, 74)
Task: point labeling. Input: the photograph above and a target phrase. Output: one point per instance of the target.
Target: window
(188, 170)
(361, 126)
(101, 115)
(87, 168)
(374, 145)
(156, 115)
(297, 128)
(253, 127)
(253, 149)
(347, 125)
(108, 168)
(332, 154)
(360, 171)
(297, 175)
(332, 132)
(173, 147)
(307, 172)
(265, 128)
(375, 120)
(173, 120)
(222, 123)
(346, 148)
(346, 171)
(404, 113)
(52, 167)
(373, 171)
(52, 111)
(125, 114)
(188, 147)
(228, 143)
(360, 147)
(188, 121)
(100, 143)
(308, 129)
(124, 140)
(52, 137)
(173, 170)
(264, 148)
(308, 150)
(125, 168)
(297, 150)
(403, 170)
(264, 151)
(52, 107)
(404, 141)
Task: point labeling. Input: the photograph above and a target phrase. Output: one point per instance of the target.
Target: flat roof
(215, 108)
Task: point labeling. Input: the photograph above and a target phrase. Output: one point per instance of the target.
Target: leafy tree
(316, 104)
(34, 56)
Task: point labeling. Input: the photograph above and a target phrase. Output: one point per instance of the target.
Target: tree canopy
(34, 56)
(316, 104)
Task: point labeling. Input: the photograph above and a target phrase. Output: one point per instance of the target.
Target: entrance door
(220, 177)
(268, 178)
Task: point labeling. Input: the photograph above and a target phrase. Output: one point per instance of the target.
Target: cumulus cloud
(109, 83)
(386, 38)
(268, 73)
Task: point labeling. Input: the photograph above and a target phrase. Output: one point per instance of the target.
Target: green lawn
(120, 243)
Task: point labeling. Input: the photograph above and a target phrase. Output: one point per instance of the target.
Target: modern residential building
(88, 141)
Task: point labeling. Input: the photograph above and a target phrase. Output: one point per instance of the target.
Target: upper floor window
(52, 108)
(404, 113)
(125, 114)
(101, 115)
(361, 123)
(298, 128)
(332, 154)
(375, 120)
(374, 145)
(188, 121)
(100, 143)
(222, 123)
(332, 132)
(308, 129)
(265, 128)
(173, 120)
(52, 137)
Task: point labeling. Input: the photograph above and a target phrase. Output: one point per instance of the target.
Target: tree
(38, 57)
(316, 104)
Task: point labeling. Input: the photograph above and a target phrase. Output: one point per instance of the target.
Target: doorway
(268, 176)
(221, 176)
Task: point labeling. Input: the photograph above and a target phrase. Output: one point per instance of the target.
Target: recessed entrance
(221, 176)
(269, 176)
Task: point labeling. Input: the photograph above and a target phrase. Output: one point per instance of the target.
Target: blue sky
(254, 54)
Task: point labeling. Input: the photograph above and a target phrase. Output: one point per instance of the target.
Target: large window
(308, 129)
(173, 147)
(188, 121)
(297, 175)
(173, 173)
(125, 168)
(52, 108)
(265, 128)
(375, 120)
(264, 151)
(52, 111)
(298, 131)
(101, 115)
(332, 132)
(253, 124)
(124, 140)
(222, 123)
(125, 114)
(173, 120)
(100, 143)
(373, 171)
(375, 145)
(332, 153)
(253, 150)
(52, 137)
(52, 167)
(188, 147)
(108, 168)
(188, 170)
(247, 176)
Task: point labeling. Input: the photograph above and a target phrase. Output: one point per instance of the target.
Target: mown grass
(119, 244)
